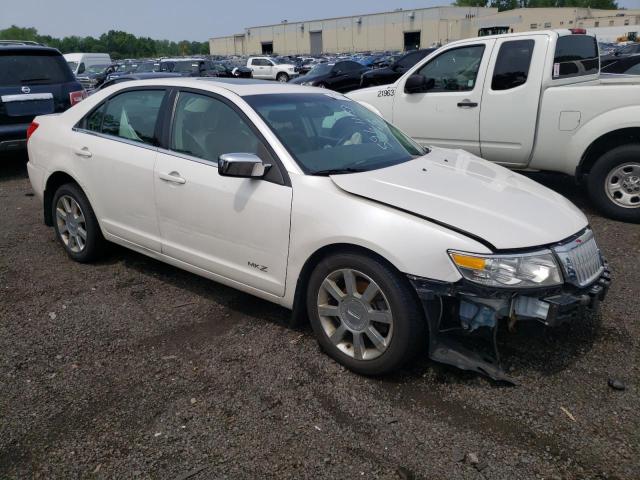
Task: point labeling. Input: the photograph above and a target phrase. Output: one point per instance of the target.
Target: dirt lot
(130, 368)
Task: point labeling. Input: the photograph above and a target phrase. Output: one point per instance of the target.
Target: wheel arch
(604, 143)
(54, 181)
(299, 315)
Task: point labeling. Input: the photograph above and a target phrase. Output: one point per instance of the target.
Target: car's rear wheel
(364, 313)
(282, 77)
(76, 225)
(614, 183)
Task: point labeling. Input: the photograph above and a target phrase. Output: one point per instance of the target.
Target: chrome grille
(580, 259)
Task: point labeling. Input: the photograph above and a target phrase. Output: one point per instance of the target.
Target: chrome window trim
(106, 136)
(186, 156)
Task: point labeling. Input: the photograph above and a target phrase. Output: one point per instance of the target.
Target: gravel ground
(130, 368)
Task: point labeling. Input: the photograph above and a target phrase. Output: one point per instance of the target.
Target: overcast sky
(186, 19)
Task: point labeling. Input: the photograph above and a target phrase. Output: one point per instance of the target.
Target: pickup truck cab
(266, 68)
(528, 101)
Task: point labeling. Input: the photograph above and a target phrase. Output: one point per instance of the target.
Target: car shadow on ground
(13, 165)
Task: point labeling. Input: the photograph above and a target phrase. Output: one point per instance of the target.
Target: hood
(471, 195)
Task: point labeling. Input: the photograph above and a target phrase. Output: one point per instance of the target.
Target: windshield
(185, 67)
(96, 68)
(328, 133)
(147, 67)
(34, 67)
(321, 69)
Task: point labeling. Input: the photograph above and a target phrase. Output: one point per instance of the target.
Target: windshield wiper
(337, 171)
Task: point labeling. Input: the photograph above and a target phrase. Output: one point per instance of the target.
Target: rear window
(32, 68)
(576, 55)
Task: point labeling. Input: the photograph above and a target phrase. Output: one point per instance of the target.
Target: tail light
(578, 31)
(77, 97)
(32, 128)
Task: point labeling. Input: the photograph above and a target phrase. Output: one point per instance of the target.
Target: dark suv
(34, 80)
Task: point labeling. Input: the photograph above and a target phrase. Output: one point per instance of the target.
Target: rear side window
(33, 68)
(512, 64)
(576, 55)
(131, 115)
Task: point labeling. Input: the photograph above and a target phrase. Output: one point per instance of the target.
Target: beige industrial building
(409, 29)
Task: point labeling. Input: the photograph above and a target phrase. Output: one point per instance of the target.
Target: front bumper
(466, 309)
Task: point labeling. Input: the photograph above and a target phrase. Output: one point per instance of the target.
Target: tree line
(502, 5)
(116, 43)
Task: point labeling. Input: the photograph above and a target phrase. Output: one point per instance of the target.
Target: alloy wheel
(71, 224)
(355, 314)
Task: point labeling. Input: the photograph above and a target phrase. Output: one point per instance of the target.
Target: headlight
(538, 269)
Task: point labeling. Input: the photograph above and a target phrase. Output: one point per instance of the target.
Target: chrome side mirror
(243, 165)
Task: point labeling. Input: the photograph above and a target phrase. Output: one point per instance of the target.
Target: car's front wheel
(364, 313)
(76, 225)
(614, 183)
(282, 77)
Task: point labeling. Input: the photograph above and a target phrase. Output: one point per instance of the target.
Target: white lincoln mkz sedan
(310, 200)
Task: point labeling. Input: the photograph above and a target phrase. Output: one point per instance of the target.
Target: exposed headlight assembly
(527, 270)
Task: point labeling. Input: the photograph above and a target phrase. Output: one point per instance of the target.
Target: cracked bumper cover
(476, 306)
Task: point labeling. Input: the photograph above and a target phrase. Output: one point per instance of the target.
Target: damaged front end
(459, 313)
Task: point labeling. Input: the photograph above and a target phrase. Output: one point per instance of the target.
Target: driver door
(448, 113)
(237, 228)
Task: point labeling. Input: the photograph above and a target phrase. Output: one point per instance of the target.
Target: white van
(79, 62)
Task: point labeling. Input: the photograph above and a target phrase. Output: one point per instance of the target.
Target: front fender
(323, 215)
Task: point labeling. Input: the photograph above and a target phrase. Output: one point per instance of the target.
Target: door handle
(173, 177)
(83, 152)
(467, 104)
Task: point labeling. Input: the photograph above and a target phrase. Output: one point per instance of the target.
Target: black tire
(282, 77)
(596, 183)
(95, 244)
(409, 328)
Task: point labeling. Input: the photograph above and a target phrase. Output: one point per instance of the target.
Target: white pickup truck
(529, 101)
(268, 68)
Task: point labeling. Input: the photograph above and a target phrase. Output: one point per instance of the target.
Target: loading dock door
(316, 43)
(411, 41)
(267, 48)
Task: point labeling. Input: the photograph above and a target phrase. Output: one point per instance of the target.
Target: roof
(17, 47)
(240, 86)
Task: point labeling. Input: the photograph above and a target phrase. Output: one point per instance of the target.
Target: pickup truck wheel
(614, 183)
(364, 313)
(75, 224)
(282, 77)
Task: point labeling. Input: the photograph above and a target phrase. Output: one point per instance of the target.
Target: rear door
(115, 147)
(509, 109)
(448, 113)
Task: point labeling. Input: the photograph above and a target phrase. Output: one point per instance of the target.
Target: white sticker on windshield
(556, 70)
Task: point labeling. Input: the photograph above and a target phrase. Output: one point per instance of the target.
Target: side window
(576, 55)
(206, 128)
(454, 70)
(512, 65)
(94, 121)
(133, 115)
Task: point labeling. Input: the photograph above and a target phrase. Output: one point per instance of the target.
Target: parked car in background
(138, 76)
(229, 70)
(384, 76)
(342, 76)
(95, 75)
(348, 221)
(79, 62)
(542, 108)
(34, 80)
(620, 52)
(267, 68)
